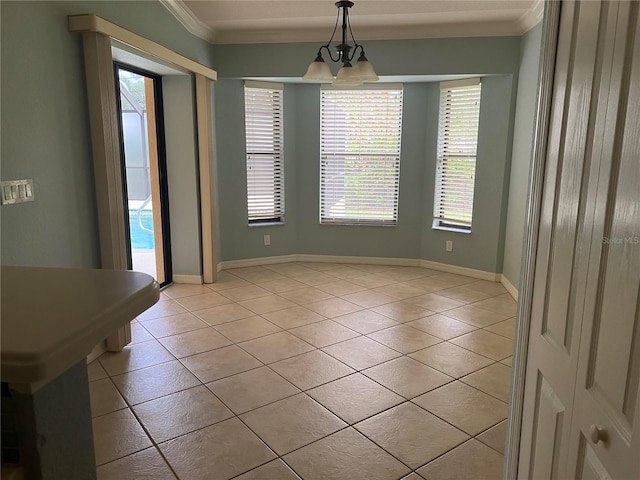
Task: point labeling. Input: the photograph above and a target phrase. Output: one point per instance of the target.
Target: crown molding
(412, 32)
(523, 24)
(179, 10)
(531, 17)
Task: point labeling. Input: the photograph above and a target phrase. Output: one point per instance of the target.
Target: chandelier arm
(326, 47)
(355, 50)
(356, 45)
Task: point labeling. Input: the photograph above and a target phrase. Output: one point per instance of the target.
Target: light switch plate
(17, 191)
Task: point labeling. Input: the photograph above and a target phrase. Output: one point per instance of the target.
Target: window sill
(452, 229)
(265, 224)
(358, 224)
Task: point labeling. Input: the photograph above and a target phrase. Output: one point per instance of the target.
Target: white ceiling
(266, 21)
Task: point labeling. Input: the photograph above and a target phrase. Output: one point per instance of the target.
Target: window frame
(465, 151)
(390, 153)
(277, 215)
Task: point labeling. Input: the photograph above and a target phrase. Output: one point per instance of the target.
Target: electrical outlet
(267, 240)
(449, 245)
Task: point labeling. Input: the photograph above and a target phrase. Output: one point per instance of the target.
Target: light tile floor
(312, 371)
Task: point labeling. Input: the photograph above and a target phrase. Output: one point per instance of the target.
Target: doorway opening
(144, 171)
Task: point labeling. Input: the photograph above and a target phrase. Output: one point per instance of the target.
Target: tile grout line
(409, 400)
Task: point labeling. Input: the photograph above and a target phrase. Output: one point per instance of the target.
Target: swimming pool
(141, 239)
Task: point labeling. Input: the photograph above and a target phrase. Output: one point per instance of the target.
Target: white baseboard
(401, 262)
(254, 262)
(513, 291)
(469, 272)
(189, 279)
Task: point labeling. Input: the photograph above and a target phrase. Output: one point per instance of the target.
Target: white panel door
(605, 432)
(581, 415)
(552, 359)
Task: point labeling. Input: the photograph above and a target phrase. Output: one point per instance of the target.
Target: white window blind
(360, 134)
(264, 144)
(457, 148)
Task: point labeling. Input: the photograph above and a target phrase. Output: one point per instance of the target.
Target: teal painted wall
(236, 238)
(401, 241)
(302, 232)
(521, 155)
(436, 56)
(45, 124)
(413, 237)
(482, 248)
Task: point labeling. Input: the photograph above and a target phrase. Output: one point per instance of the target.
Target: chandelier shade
(318, 72)
(348, 74)
(364, 70)
(346, 77)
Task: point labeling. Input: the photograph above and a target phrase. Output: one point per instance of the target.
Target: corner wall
(482, 248)
(521, 154)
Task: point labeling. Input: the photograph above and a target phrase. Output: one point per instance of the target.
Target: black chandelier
(348, 75)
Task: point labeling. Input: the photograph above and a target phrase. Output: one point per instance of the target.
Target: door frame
(534, 207)
(161, 158)
(97, 35)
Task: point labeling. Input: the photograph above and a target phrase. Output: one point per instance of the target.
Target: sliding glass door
(144, 171)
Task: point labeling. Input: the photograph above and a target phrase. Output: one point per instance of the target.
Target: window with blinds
(360, 132)
(457, 148)
(264, 144)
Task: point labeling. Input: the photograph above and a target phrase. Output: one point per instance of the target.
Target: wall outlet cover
(16, 191)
